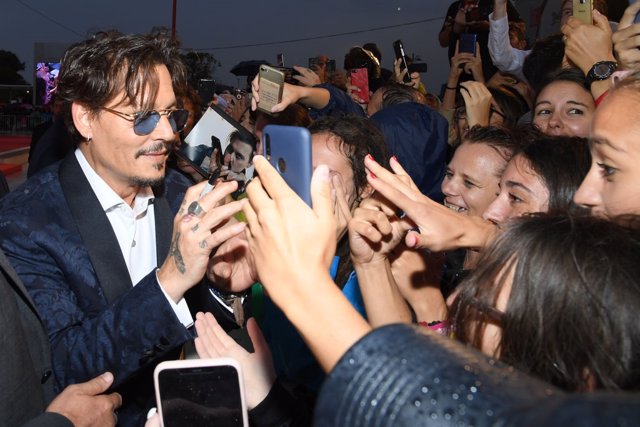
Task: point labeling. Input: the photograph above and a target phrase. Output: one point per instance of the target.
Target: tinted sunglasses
(144, 122)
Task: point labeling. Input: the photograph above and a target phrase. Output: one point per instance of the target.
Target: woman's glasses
(144, 122)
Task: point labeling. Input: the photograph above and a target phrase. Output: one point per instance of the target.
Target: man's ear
(82, 119)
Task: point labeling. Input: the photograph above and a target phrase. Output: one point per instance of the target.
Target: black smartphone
(398, 48)
(637, 18)
(202, 392)
(467, 43)
(288, 149)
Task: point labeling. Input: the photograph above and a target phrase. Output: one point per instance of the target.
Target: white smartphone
(200, 392)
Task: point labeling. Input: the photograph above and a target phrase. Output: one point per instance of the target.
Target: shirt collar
(108, 198)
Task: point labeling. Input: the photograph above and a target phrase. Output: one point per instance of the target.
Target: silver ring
(195, 209)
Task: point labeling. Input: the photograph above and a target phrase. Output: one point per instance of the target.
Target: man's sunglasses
(144, 122)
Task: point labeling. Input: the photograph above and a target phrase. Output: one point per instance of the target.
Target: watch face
(602, 70)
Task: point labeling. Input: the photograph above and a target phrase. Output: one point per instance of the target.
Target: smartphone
(398, 48)
(360, 79)
(583, 10)
(288, 149)
(206, 90)
(200, 392)
(271, 86)
(637, 18)
(467, 43)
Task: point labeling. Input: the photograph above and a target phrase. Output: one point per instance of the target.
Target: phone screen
(198, 396)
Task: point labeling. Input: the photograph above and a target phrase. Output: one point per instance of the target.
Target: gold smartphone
(271, 86)
(583, 10)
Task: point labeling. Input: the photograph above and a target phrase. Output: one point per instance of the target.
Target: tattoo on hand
(203, 244)
(177, 256)
(195, 228)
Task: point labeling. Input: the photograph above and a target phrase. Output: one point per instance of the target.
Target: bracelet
(451, 88)
(438, 326)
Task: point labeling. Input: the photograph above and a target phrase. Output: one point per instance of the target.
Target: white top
(135, 229)
(504, 56)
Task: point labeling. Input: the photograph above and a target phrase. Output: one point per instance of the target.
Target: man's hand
(196, 235)
(85, 405)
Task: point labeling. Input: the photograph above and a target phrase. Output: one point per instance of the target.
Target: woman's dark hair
(95, 71)
(545, 57)
(512, 104)
(571, 315)
(498, 138)
(561, 162)
(572, 75)
(357, 137)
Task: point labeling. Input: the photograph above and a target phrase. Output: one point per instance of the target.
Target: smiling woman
(564, 106)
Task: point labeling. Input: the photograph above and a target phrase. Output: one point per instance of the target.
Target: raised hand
(257, 367)
(196, 233)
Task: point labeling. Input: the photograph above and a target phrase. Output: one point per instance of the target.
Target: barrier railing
(13, 124)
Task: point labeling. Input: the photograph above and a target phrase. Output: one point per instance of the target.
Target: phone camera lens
(282, 165)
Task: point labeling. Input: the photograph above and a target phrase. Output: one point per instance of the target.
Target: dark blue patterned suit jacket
(60, 242)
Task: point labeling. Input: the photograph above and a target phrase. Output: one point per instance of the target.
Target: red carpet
(9, 143)
(12, 142)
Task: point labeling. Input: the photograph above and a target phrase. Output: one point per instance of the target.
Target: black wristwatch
(601, 70)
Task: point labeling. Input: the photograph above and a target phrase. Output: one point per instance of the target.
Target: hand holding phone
(193, 393)
(271, 86)
(398, 48)
(360, 79)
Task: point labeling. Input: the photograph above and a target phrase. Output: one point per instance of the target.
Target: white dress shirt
(135, 229)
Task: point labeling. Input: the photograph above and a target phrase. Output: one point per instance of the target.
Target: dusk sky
(239, 30)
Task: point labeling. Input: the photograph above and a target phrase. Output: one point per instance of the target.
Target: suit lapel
(95, 230)
(164, 226)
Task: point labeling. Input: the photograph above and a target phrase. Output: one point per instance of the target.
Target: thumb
(96, 386)
(413, 240)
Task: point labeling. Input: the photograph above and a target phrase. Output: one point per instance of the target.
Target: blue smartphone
(468, 43)
(288, 149)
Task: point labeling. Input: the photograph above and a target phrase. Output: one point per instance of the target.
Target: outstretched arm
(295, 273)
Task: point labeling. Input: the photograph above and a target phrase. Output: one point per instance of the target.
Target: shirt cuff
(181, 309)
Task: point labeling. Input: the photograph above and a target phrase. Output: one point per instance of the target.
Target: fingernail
(372, 175)
(370, 157)
(395, 159)
(108, 377)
